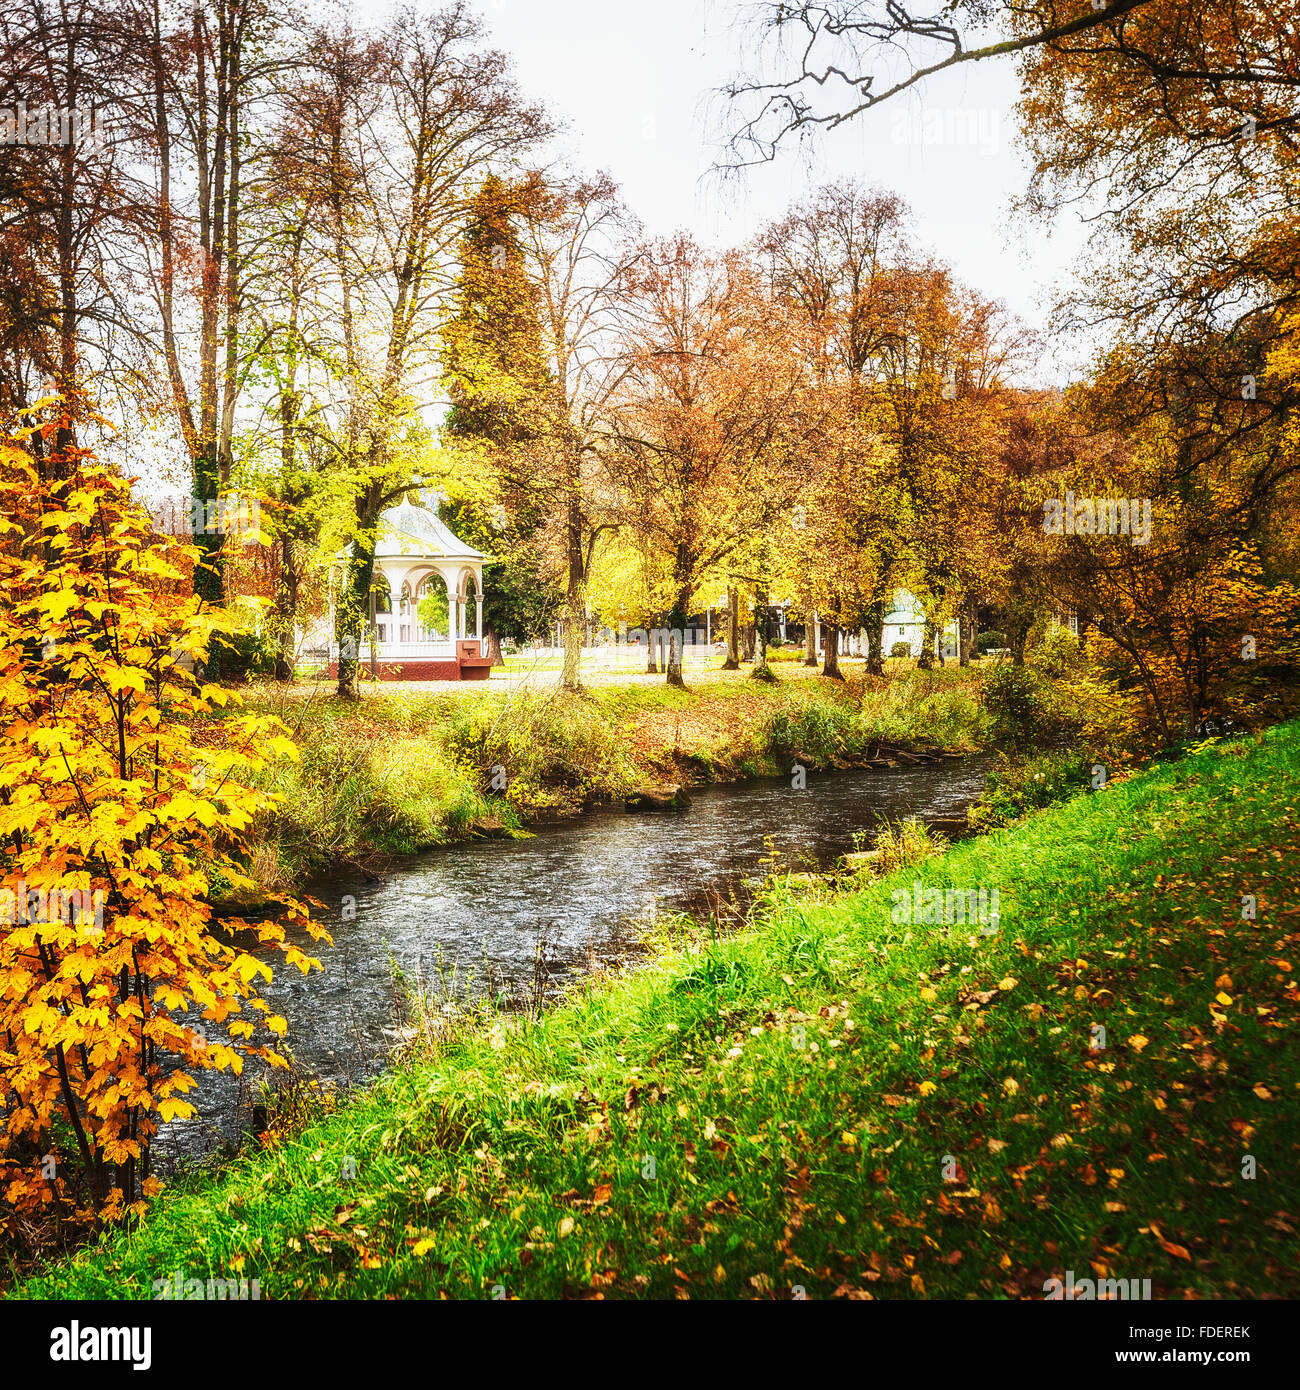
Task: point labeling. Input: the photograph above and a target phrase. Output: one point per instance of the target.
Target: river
(458, 915)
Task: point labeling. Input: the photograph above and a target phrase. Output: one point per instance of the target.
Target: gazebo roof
(413, 529)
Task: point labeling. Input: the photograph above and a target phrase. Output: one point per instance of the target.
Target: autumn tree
(711, 414)
(578, 238)
(116, 982)
(829, 260)
(498, 426)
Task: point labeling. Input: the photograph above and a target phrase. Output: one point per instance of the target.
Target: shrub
(988, 641)
(905, 843)
(552, 748)
(938, 708)
(102, 1014)
(1057, 654)
(235, 656)
(1017, 705)
(900, 649)
(817, 733)
(1017, 785)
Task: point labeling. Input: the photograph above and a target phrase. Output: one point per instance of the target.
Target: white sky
(634, 81)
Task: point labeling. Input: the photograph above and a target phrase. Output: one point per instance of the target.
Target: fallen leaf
(1178, 1251)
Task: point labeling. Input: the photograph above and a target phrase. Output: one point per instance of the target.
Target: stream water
(464, 915)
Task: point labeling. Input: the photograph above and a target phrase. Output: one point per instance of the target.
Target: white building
(905, 622)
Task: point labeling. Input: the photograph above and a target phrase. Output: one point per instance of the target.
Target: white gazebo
(416, 555)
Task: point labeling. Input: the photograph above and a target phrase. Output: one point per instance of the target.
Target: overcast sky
(634, 83)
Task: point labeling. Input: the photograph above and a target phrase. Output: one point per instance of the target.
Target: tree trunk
(966, 620)
(831, 658)
(925, 662)
(575, 607)
(354, 604)
(732, 662)
(676, 640)
(1017, 638)
(492, 645)
(810, 639)
(760, 630)
(876, 638)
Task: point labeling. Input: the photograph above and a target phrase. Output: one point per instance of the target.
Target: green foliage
(520, 602)
(1014, 786)
(1058, 654)
(900, 649)
(433, 610)
(1018, 704)
(352, 798)
(990, 641)
(553, 752)
(235, 656)
(925, 709)
(816, 734)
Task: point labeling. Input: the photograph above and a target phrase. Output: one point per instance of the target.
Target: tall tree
(713, 410)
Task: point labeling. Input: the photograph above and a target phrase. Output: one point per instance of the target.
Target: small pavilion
(417, 557)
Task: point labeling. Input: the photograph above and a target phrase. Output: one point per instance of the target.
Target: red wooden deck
(467, 665)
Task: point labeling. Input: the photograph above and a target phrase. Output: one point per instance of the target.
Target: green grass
(832, 1100)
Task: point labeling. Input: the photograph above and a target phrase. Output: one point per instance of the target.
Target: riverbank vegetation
(409, 770)
(831, 1103)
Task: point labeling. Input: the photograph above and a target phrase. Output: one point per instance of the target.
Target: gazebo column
(396, 577)
(478, 616)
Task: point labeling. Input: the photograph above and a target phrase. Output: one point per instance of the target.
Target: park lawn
(832, 1102)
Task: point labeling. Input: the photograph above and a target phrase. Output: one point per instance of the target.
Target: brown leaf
(1178, 1251)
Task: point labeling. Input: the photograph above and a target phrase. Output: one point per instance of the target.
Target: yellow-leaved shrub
(117, 984)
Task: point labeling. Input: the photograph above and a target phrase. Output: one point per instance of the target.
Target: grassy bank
(835, 1101)
(408, 769)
